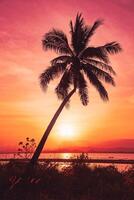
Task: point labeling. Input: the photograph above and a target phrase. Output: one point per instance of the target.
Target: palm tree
(77, 63)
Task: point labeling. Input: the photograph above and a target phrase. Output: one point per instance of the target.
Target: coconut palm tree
(77, 63)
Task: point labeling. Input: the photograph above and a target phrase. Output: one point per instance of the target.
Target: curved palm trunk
(49, 128)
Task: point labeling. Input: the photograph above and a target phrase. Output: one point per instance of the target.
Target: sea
(106, 156)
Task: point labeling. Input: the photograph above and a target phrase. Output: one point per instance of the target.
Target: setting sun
(66, 131)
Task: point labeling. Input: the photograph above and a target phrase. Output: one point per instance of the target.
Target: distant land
(113, 146)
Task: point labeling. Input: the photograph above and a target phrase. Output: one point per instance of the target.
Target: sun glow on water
(66, 155)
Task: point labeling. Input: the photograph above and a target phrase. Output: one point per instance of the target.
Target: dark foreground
(76, 181)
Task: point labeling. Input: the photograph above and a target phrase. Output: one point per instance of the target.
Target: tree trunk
(49, 128)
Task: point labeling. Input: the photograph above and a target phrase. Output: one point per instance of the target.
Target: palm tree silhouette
(74, 63)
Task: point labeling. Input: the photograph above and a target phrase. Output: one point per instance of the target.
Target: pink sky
(25, 109)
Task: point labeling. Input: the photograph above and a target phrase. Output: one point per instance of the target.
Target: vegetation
(26, 148)
(76, 181)
(75, 62)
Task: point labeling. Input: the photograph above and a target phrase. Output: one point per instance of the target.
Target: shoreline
(60, 160)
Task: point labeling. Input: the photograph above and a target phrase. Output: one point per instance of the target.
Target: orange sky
(25, 110)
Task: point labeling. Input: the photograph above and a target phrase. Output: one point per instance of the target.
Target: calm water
(123, 156)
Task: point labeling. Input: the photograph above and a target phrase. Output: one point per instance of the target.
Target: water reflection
(66, 155)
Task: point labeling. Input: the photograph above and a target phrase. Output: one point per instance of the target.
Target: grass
(76, 181)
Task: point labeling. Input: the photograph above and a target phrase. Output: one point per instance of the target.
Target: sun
(66, 131)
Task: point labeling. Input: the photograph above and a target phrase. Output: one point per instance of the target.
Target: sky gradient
(25, 110)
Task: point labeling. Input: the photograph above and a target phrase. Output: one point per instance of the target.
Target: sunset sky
(25, 110)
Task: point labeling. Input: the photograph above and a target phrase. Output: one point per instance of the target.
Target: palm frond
(95, 52)
(82, 87)
(112, 47)
(79, 59)
(61, 59)
(71, 28)
(100, 65)
(96, 83)
(79, 32)
(56, 40)
(50, 73)
(100, 74)
(93, 29)
(64, 85)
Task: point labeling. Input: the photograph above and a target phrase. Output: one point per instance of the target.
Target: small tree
(26, 148)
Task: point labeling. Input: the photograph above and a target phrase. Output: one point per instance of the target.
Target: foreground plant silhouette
(74, 63)
(76, 181)
(26, 148)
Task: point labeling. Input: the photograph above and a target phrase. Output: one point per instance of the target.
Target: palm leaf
(82, 87)
(93, 29)
(95, 52)
(79, 32)
(64, 85)
(50, 73)
(96, 83)
(100, 74)
(56, 40)
(61, 59)
(112, 47)
(101, 65)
